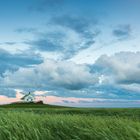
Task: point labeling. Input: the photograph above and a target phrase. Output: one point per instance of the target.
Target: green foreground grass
(69, 124)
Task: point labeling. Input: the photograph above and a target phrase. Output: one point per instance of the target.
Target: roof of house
(26, 96)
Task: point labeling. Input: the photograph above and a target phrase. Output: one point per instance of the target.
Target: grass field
(44, 122)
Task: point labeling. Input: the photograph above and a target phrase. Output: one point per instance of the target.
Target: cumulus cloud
(110, 77)
(62, 74)
(121, 68)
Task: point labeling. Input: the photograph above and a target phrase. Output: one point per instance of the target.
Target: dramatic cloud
(121, 68)
(62, 74)
(66, 35)
(71, 49)
(12, 62)
(109, 77)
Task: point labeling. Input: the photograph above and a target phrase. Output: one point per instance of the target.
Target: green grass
(58, 123)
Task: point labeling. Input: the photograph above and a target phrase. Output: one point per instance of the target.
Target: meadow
(46, 122)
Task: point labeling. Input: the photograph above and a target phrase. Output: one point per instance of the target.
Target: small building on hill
(28, 98)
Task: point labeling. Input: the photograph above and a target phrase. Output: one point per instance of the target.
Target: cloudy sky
(71, 52)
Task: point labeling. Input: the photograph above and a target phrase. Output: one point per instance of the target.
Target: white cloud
(51, 73)
(115, 76)
(122, 68)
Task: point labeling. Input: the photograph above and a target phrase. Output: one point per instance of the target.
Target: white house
(28, 98)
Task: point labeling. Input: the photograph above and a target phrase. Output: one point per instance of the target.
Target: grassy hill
(29, 105)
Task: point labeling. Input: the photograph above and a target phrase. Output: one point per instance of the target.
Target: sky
(82, 53)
